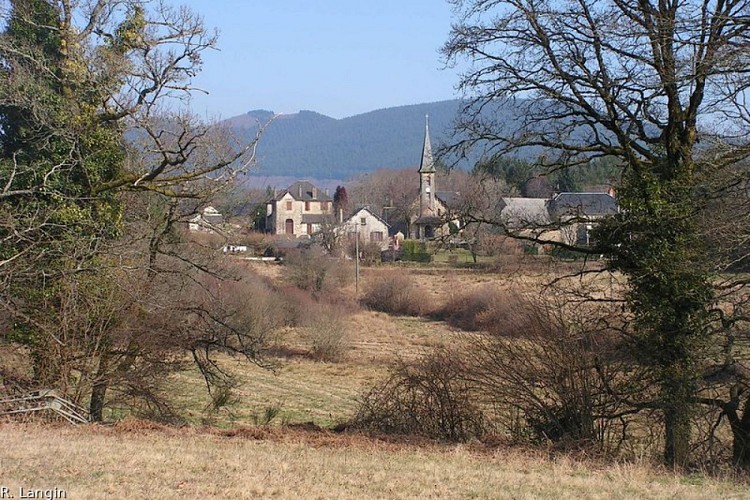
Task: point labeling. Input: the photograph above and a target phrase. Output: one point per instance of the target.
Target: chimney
(327, 192)
(300, 191)
(315, 193)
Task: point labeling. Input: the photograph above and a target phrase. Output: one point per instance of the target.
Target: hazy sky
(337, 57)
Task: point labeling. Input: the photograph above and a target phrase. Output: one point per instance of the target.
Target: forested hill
(310, 145)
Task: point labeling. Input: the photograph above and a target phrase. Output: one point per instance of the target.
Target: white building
(368, 225)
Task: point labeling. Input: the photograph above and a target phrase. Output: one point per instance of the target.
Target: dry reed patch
(107, 463)
(299, 390)
(380, 339)
(271, 270)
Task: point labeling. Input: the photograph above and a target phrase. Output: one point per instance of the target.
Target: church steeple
(427, 165)
(427, 174)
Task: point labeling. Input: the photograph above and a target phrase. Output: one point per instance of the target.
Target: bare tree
(641, 82)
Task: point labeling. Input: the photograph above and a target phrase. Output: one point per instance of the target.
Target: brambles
(430, 397)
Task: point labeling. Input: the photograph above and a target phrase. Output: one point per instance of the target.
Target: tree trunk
(678, 392)
(677, 436)
(99, 389)
(740, 436)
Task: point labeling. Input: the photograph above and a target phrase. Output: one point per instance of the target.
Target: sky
(337, 57)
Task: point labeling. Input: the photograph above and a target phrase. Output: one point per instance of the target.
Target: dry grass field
(290, 458)
(133, 460)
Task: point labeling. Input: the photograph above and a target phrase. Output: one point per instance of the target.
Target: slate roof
(585, 204)
(427, 164)
(525, 211)
(429, 219)
(317, 218)
(304, 191)
(450, 199)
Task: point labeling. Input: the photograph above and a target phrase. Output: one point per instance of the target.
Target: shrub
(327, 337)
(472, 310)
(429, 397)
(308, 269)
(554, 374)
(394, 293)
(369, 252)
(416, 251)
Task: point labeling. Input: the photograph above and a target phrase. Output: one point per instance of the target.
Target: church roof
(451, 199)
(427, 165)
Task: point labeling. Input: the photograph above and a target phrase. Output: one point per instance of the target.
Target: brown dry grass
(133, 459)
(305, 390)
(142, 461)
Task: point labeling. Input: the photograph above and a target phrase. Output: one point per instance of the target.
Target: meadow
(274, 438)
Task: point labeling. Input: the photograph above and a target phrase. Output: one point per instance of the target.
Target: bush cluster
(394, 293)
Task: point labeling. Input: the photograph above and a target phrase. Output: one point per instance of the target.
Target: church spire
(427, 164)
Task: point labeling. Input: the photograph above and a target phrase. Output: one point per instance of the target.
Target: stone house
(577, 213)
(368, 225)
(300, 210)
(566, 217)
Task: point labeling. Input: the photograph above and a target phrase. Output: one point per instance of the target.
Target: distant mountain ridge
(310, 145)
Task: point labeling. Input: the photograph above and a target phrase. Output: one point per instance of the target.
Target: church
(432, 208)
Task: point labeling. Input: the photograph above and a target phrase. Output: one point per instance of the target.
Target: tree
(388, 192)
(92, 135)
(340, 202)
(643, 83)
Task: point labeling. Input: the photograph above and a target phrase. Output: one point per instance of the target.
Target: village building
(368, 226)
(578, 213)
(432, 207)
(565, 217)
(300, 210)
(209, 220)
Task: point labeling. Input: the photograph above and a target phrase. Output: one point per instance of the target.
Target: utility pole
(356, 258)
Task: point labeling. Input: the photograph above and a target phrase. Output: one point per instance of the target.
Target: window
(289, 206)
(324, 206)
(376, 236)
(307, 206)
(363, 221)
(309, 229)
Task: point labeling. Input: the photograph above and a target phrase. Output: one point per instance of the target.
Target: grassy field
(132, 460)
(301, 390)
(291, 458)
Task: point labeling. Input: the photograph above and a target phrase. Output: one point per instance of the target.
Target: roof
(525, 211)
(429, 219)
(368, 210)
(586, 204)
(427, 164)
(304, 191)
(450, 199)
(317, 218)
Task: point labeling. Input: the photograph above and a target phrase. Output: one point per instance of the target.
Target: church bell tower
(427, 187)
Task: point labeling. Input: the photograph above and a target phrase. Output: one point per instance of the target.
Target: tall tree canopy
(95, 141)
(659, 86)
